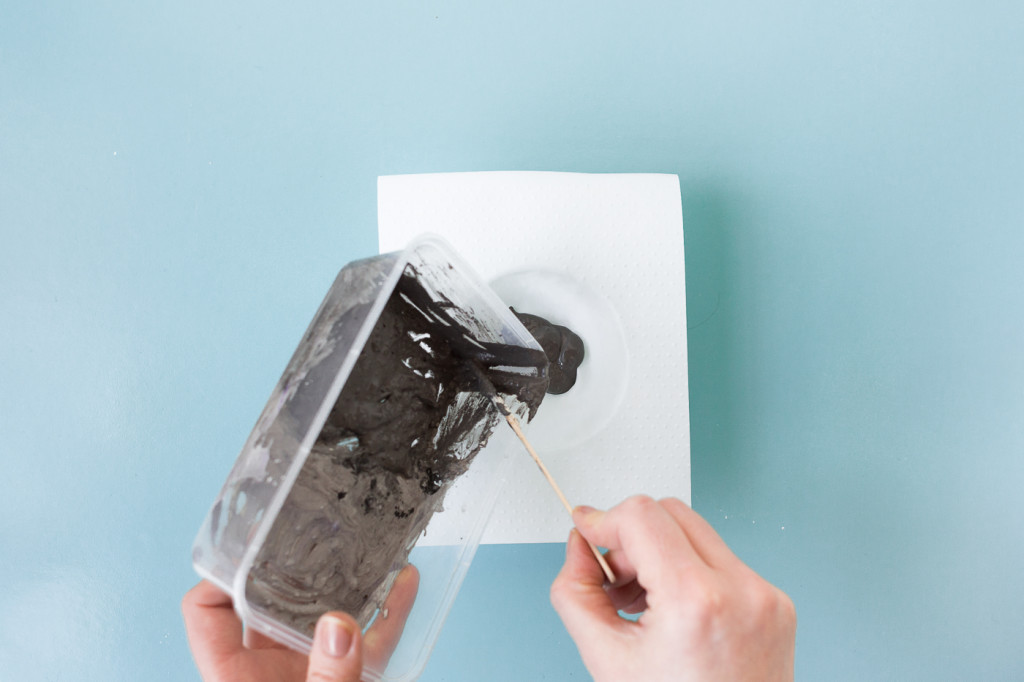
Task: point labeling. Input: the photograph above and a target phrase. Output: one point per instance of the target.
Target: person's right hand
(706, 615)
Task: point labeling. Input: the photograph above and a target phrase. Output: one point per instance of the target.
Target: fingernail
(333, 636)
(584, 513)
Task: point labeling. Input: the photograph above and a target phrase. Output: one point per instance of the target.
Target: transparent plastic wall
(233, 534)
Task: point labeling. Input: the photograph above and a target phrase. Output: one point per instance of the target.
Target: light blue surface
(179, 184)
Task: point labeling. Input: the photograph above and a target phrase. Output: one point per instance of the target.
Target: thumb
(581, 601)
(337, 654)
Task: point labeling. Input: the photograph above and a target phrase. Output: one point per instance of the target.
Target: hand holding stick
(492, 393)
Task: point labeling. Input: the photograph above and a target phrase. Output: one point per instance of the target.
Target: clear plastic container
(229, 549)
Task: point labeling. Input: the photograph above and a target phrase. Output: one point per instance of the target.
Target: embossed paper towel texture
(620, 234)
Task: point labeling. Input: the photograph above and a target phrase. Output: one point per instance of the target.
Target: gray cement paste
(409, 420)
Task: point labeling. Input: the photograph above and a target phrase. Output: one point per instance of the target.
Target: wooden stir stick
(514, 423)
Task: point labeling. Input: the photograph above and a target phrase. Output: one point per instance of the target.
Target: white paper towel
(620, 237)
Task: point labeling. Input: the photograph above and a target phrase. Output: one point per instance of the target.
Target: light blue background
(180, 181)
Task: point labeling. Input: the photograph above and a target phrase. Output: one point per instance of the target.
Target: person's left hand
(339, 653)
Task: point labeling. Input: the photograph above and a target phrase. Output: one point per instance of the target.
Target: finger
(631, 597)
(703, 537)
(579, 597)
(652, 539)
(382, 637)
(253, 639)
(622, 567)
(625, 591)
(337, 654)
(214, 632)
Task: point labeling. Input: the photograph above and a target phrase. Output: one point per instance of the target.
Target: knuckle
(708, 605)
(188, 601)
(558, 593)
(319, 675)
(638, 505)
(787, 609)
(771, 605)
(764, 602)
(564, 593)
(673, 502)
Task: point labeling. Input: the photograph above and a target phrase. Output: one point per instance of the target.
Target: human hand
(706, 615)
(339, 653)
